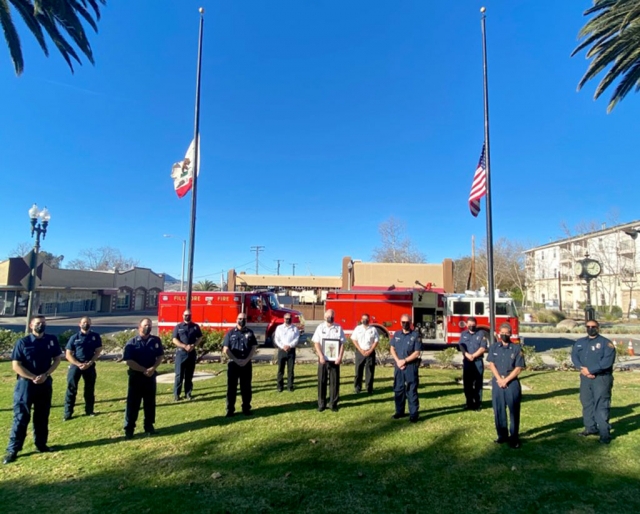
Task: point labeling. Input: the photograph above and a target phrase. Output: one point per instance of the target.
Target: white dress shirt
(365, 336)
(286, 335)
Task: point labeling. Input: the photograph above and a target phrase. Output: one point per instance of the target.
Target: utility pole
(294, 268)
(257, 249)
(278, 261)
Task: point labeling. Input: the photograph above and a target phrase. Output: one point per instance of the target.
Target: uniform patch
(598, 346)
(610, 345)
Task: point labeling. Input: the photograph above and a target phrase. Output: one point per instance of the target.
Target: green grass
(290, 458)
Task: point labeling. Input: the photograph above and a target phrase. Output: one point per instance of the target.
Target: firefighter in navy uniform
(405, 350)
(34, 358)
(506, 361)
(187, 336)
(143, 354)
(82, 351)
(239, 345)
(594, 356)
(473, 345)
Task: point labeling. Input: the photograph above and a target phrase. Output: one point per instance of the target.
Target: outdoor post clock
(587, 268)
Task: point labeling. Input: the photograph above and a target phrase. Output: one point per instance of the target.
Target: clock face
(593, 268)
(577, 268)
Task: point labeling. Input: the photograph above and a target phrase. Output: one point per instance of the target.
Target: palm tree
(205, 285)
(614, 36)
(55, 17)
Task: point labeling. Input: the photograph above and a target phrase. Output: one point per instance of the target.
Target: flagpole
(491, 285)
(196, 165)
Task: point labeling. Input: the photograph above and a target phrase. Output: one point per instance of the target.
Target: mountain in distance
(168, 279)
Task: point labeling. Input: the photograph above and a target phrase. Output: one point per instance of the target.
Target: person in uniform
(594, 356)
(82, 351)
(34, 358)
(239, 345)
(286, 339)
(143, 354)
(405, 347)
(473, 345)
(365, 339)
(187, 336)
(506, 362)
(328, 366)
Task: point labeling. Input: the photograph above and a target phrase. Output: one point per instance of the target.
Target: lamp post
(588, 269)
(184, 249)
(40, 229)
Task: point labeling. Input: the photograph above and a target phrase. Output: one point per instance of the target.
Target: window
(478, 308)
(273, 302)
(153, 298)
(462, 308)
(502, 309)
(123, 300)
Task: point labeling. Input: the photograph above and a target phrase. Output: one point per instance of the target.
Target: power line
(257, 249)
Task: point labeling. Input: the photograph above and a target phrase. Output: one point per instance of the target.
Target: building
(552, 280)
(61, 291)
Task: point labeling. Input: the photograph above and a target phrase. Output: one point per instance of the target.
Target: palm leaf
(11, 37)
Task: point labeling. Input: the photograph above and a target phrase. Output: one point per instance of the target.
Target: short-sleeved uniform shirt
(143, 352)
(366, 336)
(187, 333)
(240, 342)
(84, 346)
(597, 354)
(506, 357)
(406, 344)
(36, 354)
(326, 331)
(471, 343)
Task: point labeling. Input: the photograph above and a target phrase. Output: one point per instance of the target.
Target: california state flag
(182, 172)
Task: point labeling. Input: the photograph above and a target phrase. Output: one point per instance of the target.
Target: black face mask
(146, 330)
(242, 323)
(365, 322)
(406, 325)
(85, 327)
(592, 331)
(187, 319)
(330, 319)
(38, 328)
(287, 321)
(505, 338)
(471, 328)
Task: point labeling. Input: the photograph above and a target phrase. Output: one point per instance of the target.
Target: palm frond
(11, 37)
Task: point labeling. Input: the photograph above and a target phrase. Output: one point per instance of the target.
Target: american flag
(479, 186)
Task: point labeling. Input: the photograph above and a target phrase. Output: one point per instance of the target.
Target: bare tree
(25, 248)
(102, 259)
(395, 245)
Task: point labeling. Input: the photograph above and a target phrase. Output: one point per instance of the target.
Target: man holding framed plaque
(328, 341)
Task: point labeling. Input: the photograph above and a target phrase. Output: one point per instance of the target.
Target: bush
(64, 337)
(622, 351)
(383, 350)
(610, 312)
(8, 339)
(445, 358)
(548, 316)
(532, 360)
(561, 358)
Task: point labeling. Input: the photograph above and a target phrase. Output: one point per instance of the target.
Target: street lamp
(588, 269)
(40, 229)
(184, 247)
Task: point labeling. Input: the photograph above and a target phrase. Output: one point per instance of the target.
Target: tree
(614, 36)
(205, 285)
(102, 259)
(396, 246)
(55, 17)
(22, 249)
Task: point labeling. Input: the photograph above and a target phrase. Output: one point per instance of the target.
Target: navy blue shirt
(36, 355)
(84, 346)
(143, 352)
(506, 357)
(471, 343)
(240, 342)
(406, 344)
(596, 354)
(187, 333)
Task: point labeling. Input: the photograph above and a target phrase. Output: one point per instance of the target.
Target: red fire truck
(220, 310)
(440, 318)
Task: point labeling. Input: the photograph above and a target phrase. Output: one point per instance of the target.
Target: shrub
(532, 360)
(212, 343)
(561, 358)
(548, 316)
(64, 337)
(8, 339)
(383, 350)
(445, 358)
(622, 352)
(610, 312)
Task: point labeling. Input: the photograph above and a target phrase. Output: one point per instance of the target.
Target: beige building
(62, 291)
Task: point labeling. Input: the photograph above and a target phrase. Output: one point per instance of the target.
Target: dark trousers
(142, 389)
(364, 366)
(73, 379)
(595, 396)
(185, 368)
(502, 399)
(285, 359)
(405, 387)
(328, 372)
(472, 383)
(240, 374)
(25, 396)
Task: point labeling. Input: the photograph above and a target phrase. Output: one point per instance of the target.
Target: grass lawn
(290, 458)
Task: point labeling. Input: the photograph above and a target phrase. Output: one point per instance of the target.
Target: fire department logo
(598, 346)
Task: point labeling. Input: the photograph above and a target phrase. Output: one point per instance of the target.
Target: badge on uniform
(593, 348)
(156, 345)
(598, 346)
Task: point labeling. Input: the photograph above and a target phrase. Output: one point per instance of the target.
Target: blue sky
(319, 120)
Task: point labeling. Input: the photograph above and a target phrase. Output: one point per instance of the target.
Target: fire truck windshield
(273, 301)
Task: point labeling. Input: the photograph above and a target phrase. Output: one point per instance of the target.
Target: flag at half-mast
(479, 185)
(182, 172)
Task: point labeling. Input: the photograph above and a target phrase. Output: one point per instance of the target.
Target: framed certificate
(331, 349)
